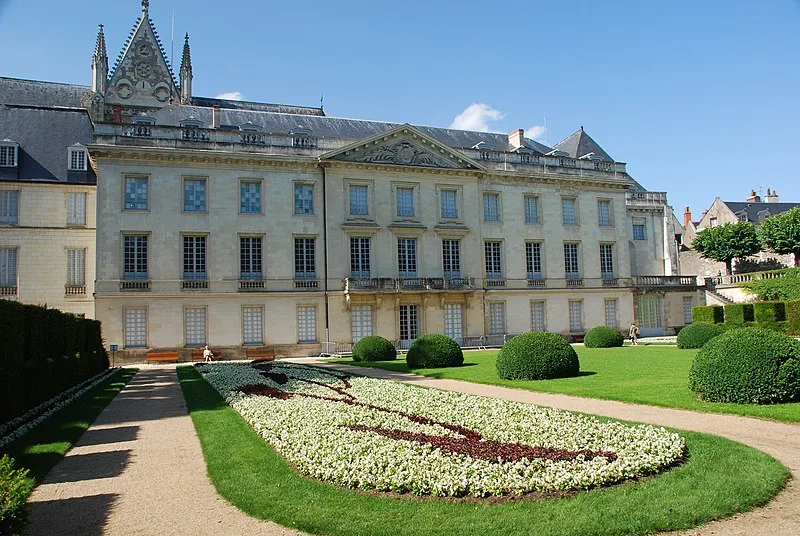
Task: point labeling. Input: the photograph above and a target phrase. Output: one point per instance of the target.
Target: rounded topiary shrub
(434, 351)
(374, 348)
(603, 337)
(695, 335)
(748, 366)
(537, 356)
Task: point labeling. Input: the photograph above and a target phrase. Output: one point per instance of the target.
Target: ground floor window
(306, 323)
(497, 318)
(135, 328)
(361, 320)
(575, 316)
(651, 314)
(454, 321)
(611, 313)
(687, 309)
(538, 319)
(194, 326)
(252, 322)
(409, 322)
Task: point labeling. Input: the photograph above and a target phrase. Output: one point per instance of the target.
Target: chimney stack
(215, 116)
(516, 138)
(772, 196)
(754, 197)
(687, 218)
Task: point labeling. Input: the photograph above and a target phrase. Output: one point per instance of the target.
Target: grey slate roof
(256, 106)
(36, 93)
(580, 144)
(43, 135)
(757, 212)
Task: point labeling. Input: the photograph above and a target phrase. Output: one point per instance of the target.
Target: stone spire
(99, 63)
(186, 73)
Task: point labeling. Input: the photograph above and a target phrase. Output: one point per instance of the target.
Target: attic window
(8, 153)
(301, 137)
(143, 120)
(250, 126)
(191, 122)
(76, 160)
(558, 153)
(742, 216)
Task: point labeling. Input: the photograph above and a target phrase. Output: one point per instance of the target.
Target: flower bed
(379, 435)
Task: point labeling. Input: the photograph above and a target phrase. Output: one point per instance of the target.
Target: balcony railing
(134, 285)
(8, 290)
(306, 284)
(536, 282)
(252, 285)
(664, 281)
(735, 279)
(574, 282)
(75, 290)
(494, 282)
(610, 282)
(397, 284)
(194, 284)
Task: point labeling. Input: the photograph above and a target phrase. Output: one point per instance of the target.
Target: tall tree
(781, 233)
(727, 242)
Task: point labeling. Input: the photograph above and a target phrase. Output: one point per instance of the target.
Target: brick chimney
(687, 218)
(772, 196)
(754, 197)
(515, 138)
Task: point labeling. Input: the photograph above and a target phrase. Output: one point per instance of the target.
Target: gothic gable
(142, 76)
(402, 146)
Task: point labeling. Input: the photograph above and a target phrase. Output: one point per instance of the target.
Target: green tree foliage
(781, 233)
(727, 242)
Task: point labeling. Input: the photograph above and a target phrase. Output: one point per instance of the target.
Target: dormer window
(8, 153)
(742, 216)
(250, 127)
(558, 153)
(191, 122)
(591, 156)
(302, 137)
(77, 158)
(143, 120)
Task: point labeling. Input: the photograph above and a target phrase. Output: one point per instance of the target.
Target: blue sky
(701, 99)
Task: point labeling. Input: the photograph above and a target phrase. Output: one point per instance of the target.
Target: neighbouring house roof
(758, 212)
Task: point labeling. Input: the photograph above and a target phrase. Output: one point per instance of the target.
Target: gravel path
(781, 517)
(138, 470)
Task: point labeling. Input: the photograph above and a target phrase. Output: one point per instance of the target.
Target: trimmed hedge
(603, 337)
(42, 353)
(748, 366)
(374, 348)
(537, 356)
(697, 334)
(739, 313)
(15, 486)
(712, 314)
(793, 317)
(769, 311)
(434, 351)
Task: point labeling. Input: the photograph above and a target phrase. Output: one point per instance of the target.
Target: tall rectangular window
(639, 229)
(492, 256)
(604, 212)
(9, 207)
(250, 259)
(135, 324)
(194, 195)
(306, 323)
(405, 202)
(607, 261)
(687, 309)
(451, 258)
(250, 197)
(407, 257)
(533, 259)
(572, 268)
(538, 319)
(76, 208)
(569, 210)
(359, 200)
(303, 198)
(359, 257)
(497, 318)
(194, 258)
(409, 322)
(135, 257)
(76, 160)
(252, 322)
(575, 316)
(76, 267)
(491, 207)
(454, 321)
(361, 321)
(449, 204)
(305, 266)
(8, 156)
(531, 209)
(194, 326)
(8, 267)
(611, 313)
(136, 193)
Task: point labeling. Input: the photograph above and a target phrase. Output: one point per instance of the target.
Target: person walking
(633, 333)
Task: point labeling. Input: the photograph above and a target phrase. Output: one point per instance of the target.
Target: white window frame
(76, 208)
(76, 267)
(409, 314)
(360, 256)
(194, 257)
(407, 256)
(538, 315)
(493, 259)
(306, 323)
(192, 209)
(454, 321)
(9, 207)
(305, 257)
(444, 192)
(497, 318)
(611, 309)
(136, 203)
(532, 212)
(534, 255)
(77, 159)
(607, 260)
(362, 323)
(9, 155)
(451, 257)
(136, 275)
(355, 209)
(251, 258)
(197, 339)
(304, 204)
(639, 228)
(569, 211)
(605, 213)
(572, 262)
(258, 187)
(137, 339)
(409, 209)
(491, 207)
(575, 308)
(252, 327)
(9, 266)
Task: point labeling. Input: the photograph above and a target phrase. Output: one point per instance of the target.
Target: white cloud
(230, 95)
(536, 132)
(476, 117)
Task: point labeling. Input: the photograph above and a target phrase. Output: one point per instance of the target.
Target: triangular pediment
(403, 145)
(142, 76)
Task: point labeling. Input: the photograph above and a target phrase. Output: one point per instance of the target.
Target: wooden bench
(262, 352)
(162, 357)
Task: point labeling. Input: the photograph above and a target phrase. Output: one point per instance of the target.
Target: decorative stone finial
(145, 6)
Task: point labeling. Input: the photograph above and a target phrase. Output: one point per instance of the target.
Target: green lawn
(653, 375)
(41, 448)
(249, 474)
